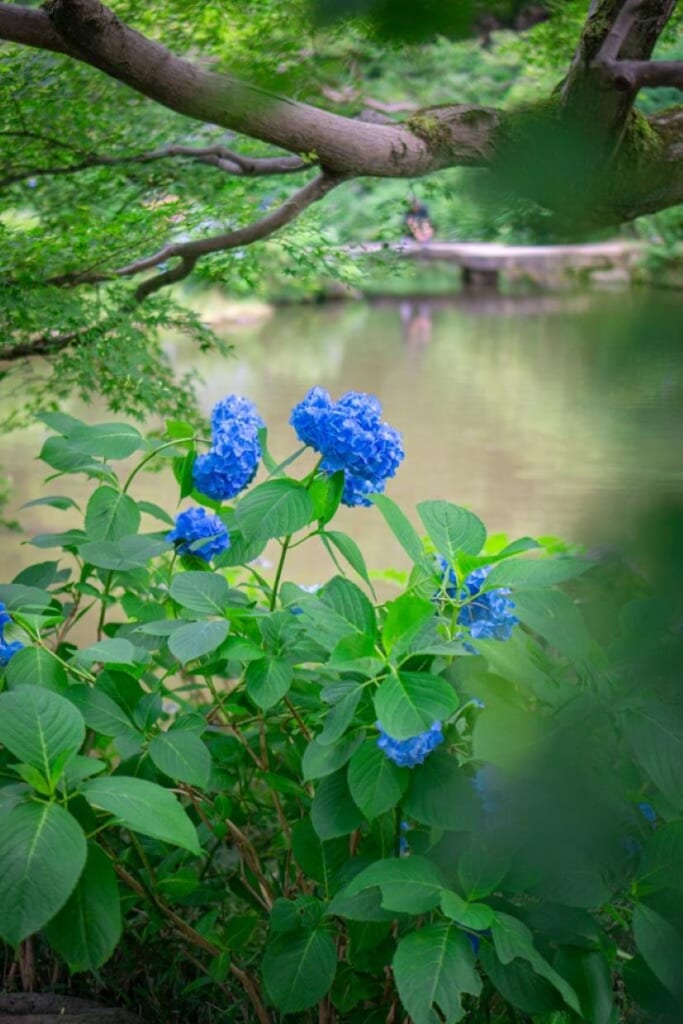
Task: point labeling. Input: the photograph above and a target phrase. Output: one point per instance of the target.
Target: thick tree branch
(631, 75)
(44, 345)
(91, 33)
(226, 160)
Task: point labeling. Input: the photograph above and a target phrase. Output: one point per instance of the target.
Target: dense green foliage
(190, 781)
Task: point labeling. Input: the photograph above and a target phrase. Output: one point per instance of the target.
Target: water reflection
(539, 413)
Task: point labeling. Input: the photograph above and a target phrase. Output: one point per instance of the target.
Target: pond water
(543, 414)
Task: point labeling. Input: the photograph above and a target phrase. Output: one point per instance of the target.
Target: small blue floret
(414, 750)
(486, 616)
(195, 523)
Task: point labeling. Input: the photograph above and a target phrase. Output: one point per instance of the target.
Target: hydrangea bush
(429, 803)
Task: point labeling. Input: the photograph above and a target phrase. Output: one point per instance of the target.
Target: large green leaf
(401, 527)
(409, 885)
(554, 616)
(113, 651)
(111, 515)
(351, 605)
(589, 974)
(404, 618)
(519, 984)
(36, 666)
(182, 756)
(441, 794)
(433, 968)
(197, 639)
(275, 508)
(268, 680)
(106, 440)
(42, 853)
(120, 555)
(334, 812)
(477, 916)
(408, 703)
(512, 939)
(376, 783)
(100, 712)
(298, 969)
(320, 759)
(661, 946)
(349, 550)
(661, 859)
(452, 529)
(87, 928)
(206, 593)
(535, 572)
(655, 734)
(40, 728)
(143, 807)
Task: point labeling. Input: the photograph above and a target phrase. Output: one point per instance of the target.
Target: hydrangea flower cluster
(7, 649)
(231, 463)
(414, 750)
(350, 436)
(195, 523)
(489, 615)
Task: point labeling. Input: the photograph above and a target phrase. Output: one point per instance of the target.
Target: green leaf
(326, 493)
(275, 508)
(535, 572)
(351, 605)
(19, 598)
(106, 440)
(120, 555)
(156, 512)
(404, 619)
(408, 703)
(52, 501)
(113, 651)
(441, 795)
(111, 515)
(349, 550)
(519, 984)
(655, 734)
(197, 639)
(143, 807)
(554, 616)
(206, 593)
(477, 916)
(452, 529)
(182, 756)
(341, 715)
(100, 712)
(298, 970)
(65, 457)
(401, 527)
(333, 811)
(268, 680)
(36, 666)
(318, 860)
(506, 736)
(40, 727)
(433, 968)
(320, 760)
(88, 927)
(512, 939)
(376, 783)
(42, 853)
(589, 974)
(409, 885)
(661, 946)
(661, 859)
(481, 869)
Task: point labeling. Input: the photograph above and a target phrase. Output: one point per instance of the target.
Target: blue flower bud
(195, 523)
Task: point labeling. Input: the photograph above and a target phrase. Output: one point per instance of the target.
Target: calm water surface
(542, 414)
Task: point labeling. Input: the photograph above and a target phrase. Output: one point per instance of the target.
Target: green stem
(278, 573)
(153, 454)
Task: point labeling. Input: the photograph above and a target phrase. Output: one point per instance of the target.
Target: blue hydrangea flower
(489, 615)
(351, 437)
(231, 463)
(414, 750)
(195, 523)
(7, 648)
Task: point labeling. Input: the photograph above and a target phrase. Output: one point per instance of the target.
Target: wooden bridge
(482, 262)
